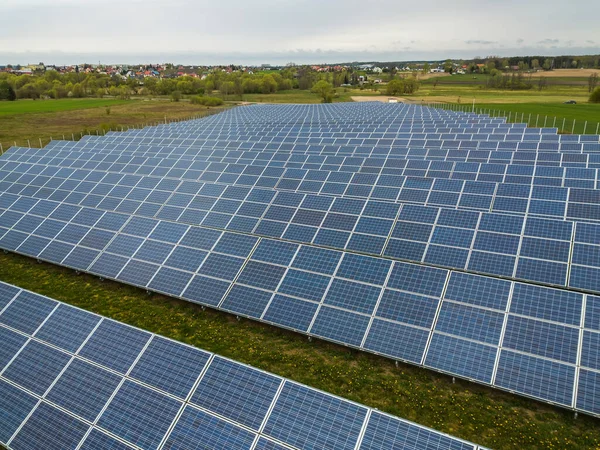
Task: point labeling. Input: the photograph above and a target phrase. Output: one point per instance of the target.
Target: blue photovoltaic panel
(237, 392)
(302, 416)
(7, 293)
(264, 444)
(170, 366)
(412, 309)
(544, 303)
(471, 323)
(384, 431)
(354, 296)
(540, 378)
(139, 415)
(290, 312)
(478, 290)
(418, 279)
(588, 393)
(59, 330)
(397, 340)
(15, 405)
(84, 389)
(541, 338)
(246, 300)
(49, 428)
(364, 268)
(465, 358)
(114, 345)
(11, 344)
(317, 260)
(27, 312)
(36, 367)
(341, 326)
(97, 440)
(196, 429)
(305, 285)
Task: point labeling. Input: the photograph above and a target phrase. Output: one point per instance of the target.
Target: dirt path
(382, 99)
(566, 73)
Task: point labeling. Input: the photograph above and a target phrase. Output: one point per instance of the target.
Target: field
(40, 106)
(294, 96)
(25, 120)
(486, 416)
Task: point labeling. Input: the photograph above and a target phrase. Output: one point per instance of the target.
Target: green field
(26, 122)
(65, 104)
(294, 96)
(486, 416)
(567, 118)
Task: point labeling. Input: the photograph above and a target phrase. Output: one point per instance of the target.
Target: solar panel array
(72, 379)
(344, 222)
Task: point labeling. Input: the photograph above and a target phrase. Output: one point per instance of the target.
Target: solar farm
(448, 240)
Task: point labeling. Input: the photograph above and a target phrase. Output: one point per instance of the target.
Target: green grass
(535, 113)
(26, 125)
(292, 96)
(567, 118)
(66, 104)
(482, 415)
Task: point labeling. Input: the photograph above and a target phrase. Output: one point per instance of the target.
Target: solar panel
(172, 395)
(427, 236)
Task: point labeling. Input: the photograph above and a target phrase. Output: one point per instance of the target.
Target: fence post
(73, 136)
(509, 116)
(597, 128)
(536, 120)
(28, 143)
(585, 127)
(554, 123)
(1, 149)
(573, 130)
(564, 123)
(545, 119)
(529, 120)
(41, 143)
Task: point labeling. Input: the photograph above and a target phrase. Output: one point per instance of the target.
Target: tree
(448, 66)
(426, 68)
(324, 90)
(542, 83)
(227, 88)
(547, 64)
(595, 96)
(7, 92)
(592, 82)
(175, 96)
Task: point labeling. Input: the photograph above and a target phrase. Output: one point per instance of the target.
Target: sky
(208, 32)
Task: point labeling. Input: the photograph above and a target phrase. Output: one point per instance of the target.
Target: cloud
(548, 41)
(480, 42)
(268, 31)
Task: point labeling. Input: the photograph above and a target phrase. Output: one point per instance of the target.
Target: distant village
(175, 71)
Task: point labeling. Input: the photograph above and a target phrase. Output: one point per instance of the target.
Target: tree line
(52, 84)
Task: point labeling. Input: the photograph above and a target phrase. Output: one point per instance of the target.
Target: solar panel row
(358, 170)
(72, 379)
(534, 249)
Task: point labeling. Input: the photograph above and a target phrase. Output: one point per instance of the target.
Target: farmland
(28, 120)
